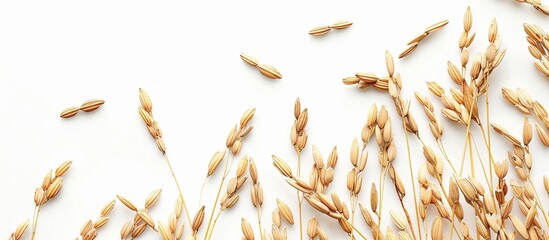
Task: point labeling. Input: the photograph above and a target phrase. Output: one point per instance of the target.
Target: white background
(55, 54)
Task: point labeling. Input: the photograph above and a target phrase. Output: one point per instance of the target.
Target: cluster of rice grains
(314, 189)
(491, 204)
(90, 227)
(538, 47)
(141, 220)
(490, 201)
(50, 187)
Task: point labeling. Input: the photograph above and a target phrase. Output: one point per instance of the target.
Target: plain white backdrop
(55, 54)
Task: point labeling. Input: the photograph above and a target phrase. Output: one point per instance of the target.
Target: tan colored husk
(145, 100)
(198, 219)
(285, 211)
(20, 230)
(519, 226)
(436, 229)
(146, 116)
(319, 31)
(107, 208)
(69, 112)
(436, 26)
(398, 220)
(408, 50)
(543, 136)
(217, 158)
(412, 44)
(152, 198)
(269, 71)
(62, 169)
(91, 105)
(247, 230)
(127, 203)
(342, 24)
(146, 217)
(249, 60)
(282, 166)
(54, 188)
(164, 231)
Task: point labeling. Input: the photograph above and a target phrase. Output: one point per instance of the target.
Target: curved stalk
(35, 221)
(412, 177)
(225, 173)
(179, 189)
(299, 198)
(259, 222)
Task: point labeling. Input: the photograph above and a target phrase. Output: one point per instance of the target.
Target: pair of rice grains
(319, 31)
(412, 44)
(87, 106)
(266, 70)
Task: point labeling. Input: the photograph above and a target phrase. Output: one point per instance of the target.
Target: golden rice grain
(107, 208)
(282, 166)
(146, 116)
(247, 230)
(146, 217)
(250, 60)
(373, 198)
(269, 71)
(341, 24)
(467, 20)
(69, 112)
(198, 219)
(318, 31)
(91, 105)
(127, 203)
(62, 169)
(100, 221)
(145, 100)
(54, 188)
(215, 161)
(398, 220)
(127, 229)
(519, 225)
(418, 38)
(20, 230)
(285, 211)
(436, 26)
(152, 198)
(312, 228)
(543, 137)
(436, 229)
(408, 50)
(164, 231)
